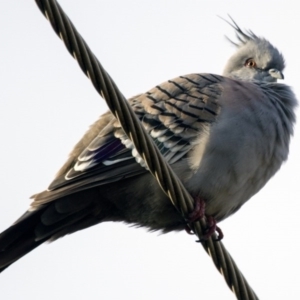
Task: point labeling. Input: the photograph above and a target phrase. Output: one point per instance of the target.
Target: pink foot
(212, 228)
(199, 213)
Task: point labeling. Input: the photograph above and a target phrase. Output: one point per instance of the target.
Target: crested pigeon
(224, 136)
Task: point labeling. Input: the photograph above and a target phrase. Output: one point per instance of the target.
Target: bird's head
(255, 58)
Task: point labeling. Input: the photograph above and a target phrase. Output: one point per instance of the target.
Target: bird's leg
(199, 213)
(212, 228)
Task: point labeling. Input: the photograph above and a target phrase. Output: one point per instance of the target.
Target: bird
(223, 135)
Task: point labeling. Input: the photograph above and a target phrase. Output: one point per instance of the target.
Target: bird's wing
(174, 114)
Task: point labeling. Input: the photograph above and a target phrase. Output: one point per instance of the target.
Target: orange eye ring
(250, 63)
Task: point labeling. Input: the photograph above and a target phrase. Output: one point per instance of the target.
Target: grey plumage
(224, 136)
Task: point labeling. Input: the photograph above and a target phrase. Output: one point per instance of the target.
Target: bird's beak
(276, 74)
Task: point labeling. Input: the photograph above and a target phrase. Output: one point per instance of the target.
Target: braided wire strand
(164, 175)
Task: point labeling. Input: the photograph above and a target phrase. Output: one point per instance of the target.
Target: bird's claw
(199, 213)
(211, 229)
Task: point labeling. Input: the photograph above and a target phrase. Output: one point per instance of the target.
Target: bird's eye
(250, 63)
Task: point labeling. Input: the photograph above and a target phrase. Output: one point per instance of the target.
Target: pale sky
(46, 104)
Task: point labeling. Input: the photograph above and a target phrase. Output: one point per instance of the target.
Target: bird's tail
(19, 239)
(46, 224)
